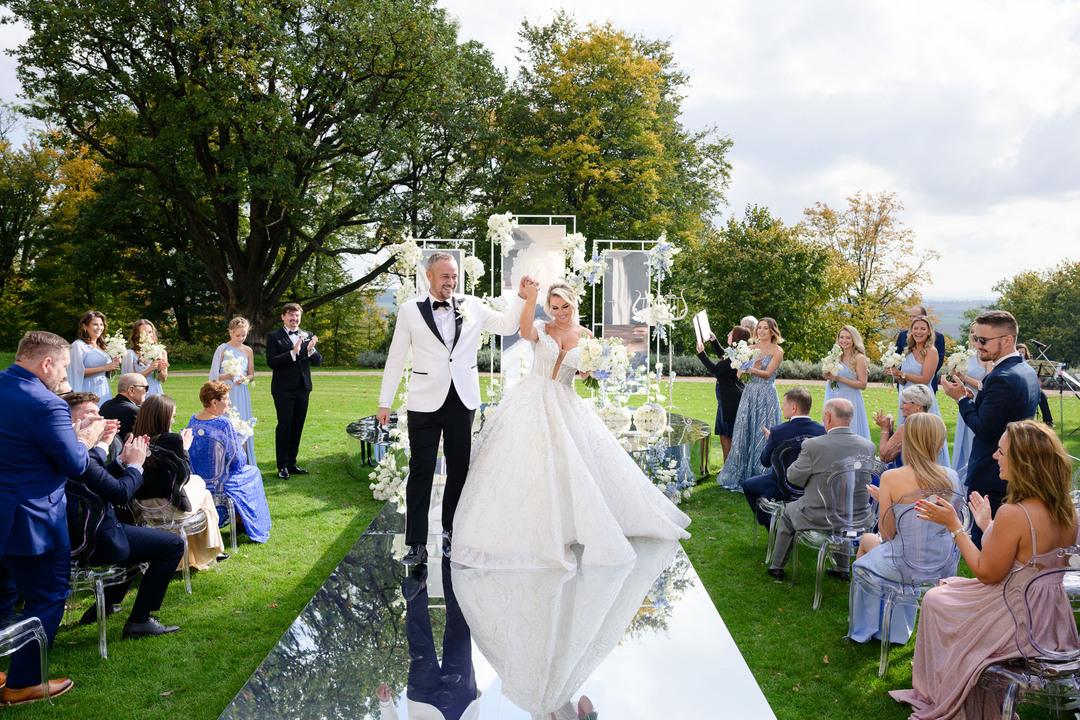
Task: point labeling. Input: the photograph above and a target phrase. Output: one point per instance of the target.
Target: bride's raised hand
(531, 290)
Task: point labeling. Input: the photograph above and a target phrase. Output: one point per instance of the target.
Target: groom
(443, 331)
(290, 353)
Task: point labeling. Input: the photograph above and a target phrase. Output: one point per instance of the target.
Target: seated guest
(913, 399)
(967, 623)
(811, 470)
(796, 411)
(924, 435)
(242, 482)
(116, 543)
(130, 393)
(168, 480)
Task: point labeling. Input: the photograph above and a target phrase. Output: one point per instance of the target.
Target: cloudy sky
(969, 110)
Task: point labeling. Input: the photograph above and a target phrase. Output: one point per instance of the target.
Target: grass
(239, 610)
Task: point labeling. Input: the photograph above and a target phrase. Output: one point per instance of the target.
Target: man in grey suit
(811, 470)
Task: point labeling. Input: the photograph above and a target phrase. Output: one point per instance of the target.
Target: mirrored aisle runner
(639, 641)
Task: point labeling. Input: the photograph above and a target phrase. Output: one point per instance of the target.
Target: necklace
(563, 328)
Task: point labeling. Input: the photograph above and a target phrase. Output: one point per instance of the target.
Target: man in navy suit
(290, 353)
(796, 411)
(1010, 391)
(39, 449)
(116, 543)
(914, 313)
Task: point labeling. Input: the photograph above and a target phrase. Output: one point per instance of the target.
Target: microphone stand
(1064, 380)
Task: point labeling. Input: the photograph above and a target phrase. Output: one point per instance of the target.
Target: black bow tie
(439, 304)
(293, 332)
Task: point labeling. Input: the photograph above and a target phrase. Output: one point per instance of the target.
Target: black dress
(728, 389)
(166, 471)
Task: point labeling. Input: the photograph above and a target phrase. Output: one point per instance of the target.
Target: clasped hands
(300, 341)
(956, 390)
(528, 288)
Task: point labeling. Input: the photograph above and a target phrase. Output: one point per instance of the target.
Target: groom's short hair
(435, 257)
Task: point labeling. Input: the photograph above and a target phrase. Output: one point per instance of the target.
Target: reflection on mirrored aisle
(641, 640)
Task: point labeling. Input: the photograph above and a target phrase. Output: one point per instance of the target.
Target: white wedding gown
(547, 474)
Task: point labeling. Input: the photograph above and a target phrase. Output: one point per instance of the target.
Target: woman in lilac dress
(213, 433)
(966, 623)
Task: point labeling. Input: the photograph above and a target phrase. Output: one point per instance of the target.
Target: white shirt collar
(1014, 353)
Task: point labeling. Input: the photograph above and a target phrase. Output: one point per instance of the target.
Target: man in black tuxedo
(290, 353)
(796, 411)
(1010, 391)
(124, 406)
(114, 542)
(914, 313)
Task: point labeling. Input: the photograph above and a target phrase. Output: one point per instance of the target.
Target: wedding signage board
(701, 328)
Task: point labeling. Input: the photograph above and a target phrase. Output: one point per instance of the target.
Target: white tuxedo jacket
(433, 365)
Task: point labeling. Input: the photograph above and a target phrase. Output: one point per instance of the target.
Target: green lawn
(239, 610)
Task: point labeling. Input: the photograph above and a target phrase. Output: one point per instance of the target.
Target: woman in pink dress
(966, 624)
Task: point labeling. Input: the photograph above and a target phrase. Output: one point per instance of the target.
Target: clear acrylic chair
(215, 477)
(848, 518)
(922, 552)
(15, 632)
(87, 578)
(782, 458)
(163, 517)
(1042, 674)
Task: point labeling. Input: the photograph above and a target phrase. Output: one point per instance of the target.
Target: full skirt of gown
(860, 425)
(758, 409)
(546, 473)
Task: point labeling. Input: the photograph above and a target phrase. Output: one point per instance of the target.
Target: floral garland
(409, 255)
(474, 270)
(501, 230)
(662, 257)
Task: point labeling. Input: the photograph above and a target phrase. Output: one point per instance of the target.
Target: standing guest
(239, 390)
(914, 399)
(117, 543)
(131, 391)
(443, 394)
(914, 313)
(290, 353)
(796, 411)
(214, 433)
(852, 378)
(135, 360)
(1010, 392)
(38, 451)
(728, 386)
(1044, 403)
(90, 362)
(972, 376)
(920, 360)
(967, 624)
(759, 409)
(811, 470)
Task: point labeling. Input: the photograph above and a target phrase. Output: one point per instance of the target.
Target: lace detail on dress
(546, 357)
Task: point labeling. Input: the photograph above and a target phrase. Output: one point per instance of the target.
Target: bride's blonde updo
(565, 292)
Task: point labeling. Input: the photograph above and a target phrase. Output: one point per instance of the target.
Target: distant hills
(950, 313)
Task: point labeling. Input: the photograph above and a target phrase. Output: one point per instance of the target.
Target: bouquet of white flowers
(501, 231)
(958, 360)
(604, 358)
(650, 418)
(657, 313)
(243, 428)
(831, 363)
(233, 364)
(741, 356)
(150, 351)
(115, 345)
(889, 358)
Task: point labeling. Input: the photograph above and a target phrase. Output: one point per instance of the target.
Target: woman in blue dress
(90, 363)
(759, 409)
(879, 555)
(920, 361)
(850, 382)
(976, 371)
(134, 362)
(239, 389)
(213, 431)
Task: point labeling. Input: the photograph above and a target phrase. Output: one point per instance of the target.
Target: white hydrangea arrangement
(831, 363)
(115, 345)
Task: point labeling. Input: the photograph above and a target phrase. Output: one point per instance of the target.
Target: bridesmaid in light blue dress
(976, 371)
(852, 378)
(239, 392)
(919, 354)
(90, 364)
(155, 372)
(758, 409)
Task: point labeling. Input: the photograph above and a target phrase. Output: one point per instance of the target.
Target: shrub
(190, 353)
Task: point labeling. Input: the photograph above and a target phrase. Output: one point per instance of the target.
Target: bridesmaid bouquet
(831, 364)
(889, 358)
(604, 358)
(233, 365)
(244, 429)
(741, 356)
(115, 345)
(150, 351)
(958, 360)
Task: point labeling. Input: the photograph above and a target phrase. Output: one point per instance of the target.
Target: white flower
(149, 350)
(958, 360)
(243, 428)
(662, 257)
(404, 293)
(409, 255)
(831, 362)
(115, 345)
(474, 270)
(650, 418)
(501, 230)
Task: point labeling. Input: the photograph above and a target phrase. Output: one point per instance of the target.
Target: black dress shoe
(417, 555)
(414, 583)
(447, 536)
(293, 470)
(222, 557)
(149, 628)
(777, 573)
(838, 574)
(90, 616)
(283, 474)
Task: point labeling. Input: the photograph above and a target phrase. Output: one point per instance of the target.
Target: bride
(546, 473)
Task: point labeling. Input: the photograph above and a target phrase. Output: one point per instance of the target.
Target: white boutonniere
(461, 312)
